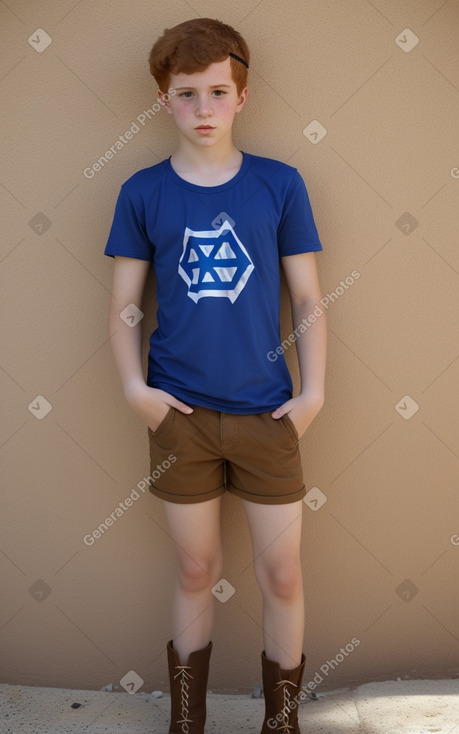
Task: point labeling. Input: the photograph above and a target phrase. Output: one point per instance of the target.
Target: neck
(191, 157)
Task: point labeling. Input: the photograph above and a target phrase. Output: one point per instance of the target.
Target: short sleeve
(128, 237)
(297, 230)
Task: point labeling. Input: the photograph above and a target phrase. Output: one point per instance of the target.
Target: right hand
(152, 404)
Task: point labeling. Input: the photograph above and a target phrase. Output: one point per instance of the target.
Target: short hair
(193, 45)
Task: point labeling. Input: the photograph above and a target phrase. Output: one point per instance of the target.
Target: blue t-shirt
(215, 251)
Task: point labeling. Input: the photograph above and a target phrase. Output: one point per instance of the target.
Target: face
(205, 104)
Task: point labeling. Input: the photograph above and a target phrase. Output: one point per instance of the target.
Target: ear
(242, 99)
(163, 99)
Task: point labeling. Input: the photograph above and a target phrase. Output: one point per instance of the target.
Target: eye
(219, 92)
(186, 95)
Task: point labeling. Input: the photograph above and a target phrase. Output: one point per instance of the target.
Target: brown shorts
(202, 455)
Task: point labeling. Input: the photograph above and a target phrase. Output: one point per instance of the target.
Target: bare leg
(276, 535)
(195, 528)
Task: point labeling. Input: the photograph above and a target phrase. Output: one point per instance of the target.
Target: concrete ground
(392, 707)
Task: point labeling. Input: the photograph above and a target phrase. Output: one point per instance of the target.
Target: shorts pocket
(168, 418)
(290, 427)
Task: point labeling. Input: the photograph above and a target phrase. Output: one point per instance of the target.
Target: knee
(198, 574)
(282, 579)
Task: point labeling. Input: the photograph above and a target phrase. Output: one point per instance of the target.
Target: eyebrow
(213, 86)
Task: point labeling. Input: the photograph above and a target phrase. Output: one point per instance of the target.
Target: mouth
(204, 127)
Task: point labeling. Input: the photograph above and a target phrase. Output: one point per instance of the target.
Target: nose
(203, 107)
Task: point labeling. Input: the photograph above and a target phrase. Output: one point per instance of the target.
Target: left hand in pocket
(301, 410)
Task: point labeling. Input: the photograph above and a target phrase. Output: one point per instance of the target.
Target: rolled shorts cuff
(187, 499)
(267, 499)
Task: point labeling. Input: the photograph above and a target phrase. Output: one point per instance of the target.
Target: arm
(129, 276)
(303, 285)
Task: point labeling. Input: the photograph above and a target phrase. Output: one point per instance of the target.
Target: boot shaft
(188, 687)
(282, 691)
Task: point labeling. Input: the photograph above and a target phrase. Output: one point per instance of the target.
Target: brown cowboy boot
(188, 685)
(282, 689)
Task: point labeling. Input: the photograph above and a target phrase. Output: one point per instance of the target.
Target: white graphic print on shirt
(214, 263)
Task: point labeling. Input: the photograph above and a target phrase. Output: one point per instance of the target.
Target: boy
(217, 223)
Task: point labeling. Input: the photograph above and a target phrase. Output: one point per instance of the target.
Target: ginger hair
(192, 46)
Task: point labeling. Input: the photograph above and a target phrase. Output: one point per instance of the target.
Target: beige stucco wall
(381, 554)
